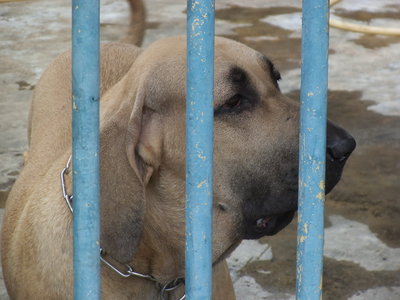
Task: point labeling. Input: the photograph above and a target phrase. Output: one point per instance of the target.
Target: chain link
(173, 285)
(169, 287)
(67, 198)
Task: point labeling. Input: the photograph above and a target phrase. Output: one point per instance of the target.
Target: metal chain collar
(169, 287)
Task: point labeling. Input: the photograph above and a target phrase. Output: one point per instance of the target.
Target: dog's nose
(342, 149)
(340, 144)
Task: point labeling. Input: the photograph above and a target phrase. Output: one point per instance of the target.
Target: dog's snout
(341, 149)
(339, 144)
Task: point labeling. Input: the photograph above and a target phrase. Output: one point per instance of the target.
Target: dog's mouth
(271, 224)
(268, 225)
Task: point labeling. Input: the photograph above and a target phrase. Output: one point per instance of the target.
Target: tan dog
(143, 170)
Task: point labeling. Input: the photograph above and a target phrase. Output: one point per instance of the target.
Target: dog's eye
(232, 103)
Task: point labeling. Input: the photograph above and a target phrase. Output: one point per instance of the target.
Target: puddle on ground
(274, 41)
(391, 292)
(348, 240)
(372, 41)
(241, 14)
(341, 279)
(367, 16)
(282, 49)
(344, 279)
(23, 85)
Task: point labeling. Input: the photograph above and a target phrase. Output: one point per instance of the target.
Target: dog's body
(45, 252)
(53, 120)
(142, 169)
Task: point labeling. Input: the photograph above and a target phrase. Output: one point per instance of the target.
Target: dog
(142, 132)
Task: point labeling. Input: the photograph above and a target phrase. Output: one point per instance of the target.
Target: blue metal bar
(199, 148)
(314, 83)
(85, 149)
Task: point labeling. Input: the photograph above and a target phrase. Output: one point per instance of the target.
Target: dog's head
(256, 135)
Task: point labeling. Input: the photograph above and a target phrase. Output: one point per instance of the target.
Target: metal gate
(199, 153)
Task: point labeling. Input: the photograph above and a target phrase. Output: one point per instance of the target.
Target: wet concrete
(368, 16)
(364, 98)
(276, 41)
(372, 41)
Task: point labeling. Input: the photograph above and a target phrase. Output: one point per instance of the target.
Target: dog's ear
(126, 176)
(144, 137)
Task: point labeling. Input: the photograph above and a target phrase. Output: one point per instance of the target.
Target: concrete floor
(362, 247)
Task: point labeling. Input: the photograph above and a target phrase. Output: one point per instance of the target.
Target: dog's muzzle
(276, 211)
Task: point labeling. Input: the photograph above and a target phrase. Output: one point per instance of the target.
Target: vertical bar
(199, 148)
(314, 82)
(85, 149)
